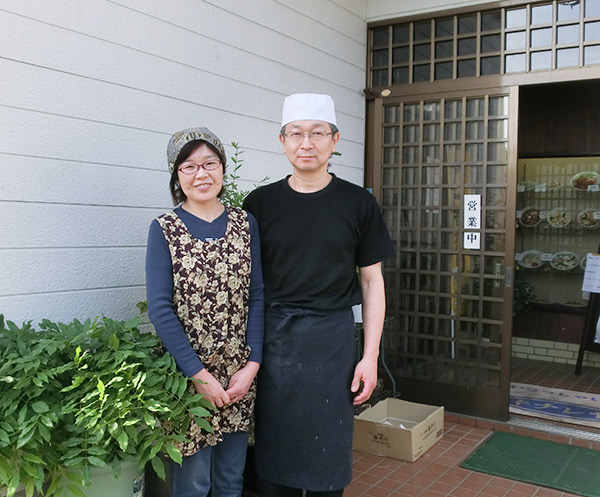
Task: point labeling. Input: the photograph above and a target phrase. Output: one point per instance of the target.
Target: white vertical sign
(472, 240)
(472, 222)
(472, 212)
(591, 278)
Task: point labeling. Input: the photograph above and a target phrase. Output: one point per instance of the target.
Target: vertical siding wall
(90, 92)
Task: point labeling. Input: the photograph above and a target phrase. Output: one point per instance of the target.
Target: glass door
(450, 297)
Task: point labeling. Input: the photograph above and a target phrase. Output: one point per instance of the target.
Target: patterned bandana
(181, 138)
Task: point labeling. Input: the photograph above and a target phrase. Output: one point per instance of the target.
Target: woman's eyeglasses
(192, 168)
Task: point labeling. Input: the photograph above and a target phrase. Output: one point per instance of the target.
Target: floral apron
(211, 281)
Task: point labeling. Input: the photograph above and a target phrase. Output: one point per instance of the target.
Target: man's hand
(364, 381)
(373, 300)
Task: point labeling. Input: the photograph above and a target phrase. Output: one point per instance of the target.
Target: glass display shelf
(558, 225)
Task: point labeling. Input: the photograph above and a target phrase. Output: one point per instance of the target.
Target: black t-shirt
(312, 242)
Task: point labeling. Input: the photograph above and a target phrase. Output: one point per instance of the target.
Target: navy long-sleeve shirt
(159, 289)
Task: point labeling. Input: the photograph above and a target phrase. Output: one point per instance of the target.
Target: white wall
(90, 92)
(378, 10)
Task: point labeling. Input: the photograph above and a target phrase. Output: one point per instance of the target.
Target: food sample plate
(564, 260)
(582, 180)
(530, 217)
(531, 259)
(553, 185)
(586, 218)
(526, 186)
(559, 217)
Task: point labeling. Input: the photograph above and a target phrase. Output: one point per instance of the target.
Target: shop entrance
(450, 285)
(455, 103)
(558, 224)
(456, 326)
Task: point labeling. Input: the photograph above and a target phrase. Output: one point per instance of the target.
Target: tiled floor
(438, 473)
(549, 374)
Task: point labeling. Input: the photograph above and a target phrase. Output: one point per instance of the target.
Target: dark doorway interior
(556, 120)
(560, 119)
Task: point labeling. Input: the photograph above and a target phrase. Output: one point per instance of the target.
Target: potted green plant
(79, 396)
(523, 294)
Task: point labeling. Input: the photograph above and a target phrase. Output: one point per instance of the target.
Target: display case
(558, 224)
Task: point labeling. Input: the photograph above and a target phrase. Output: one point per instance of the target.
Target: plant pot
(129, 484)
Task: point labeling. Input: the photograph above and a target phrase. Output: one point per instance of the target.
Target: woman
(205, 298)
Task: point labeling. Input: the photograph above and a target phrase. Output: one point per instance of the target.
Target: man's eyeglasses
(192, 168)
(315, 136)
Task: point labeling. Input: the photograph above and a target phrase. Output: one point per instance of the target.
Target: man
(316, 229)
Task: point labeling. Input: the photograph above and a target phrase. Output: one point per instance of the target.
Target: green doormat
(548, 464)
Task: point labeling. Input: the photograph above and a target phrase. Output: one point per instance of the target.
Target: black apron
(304, 410)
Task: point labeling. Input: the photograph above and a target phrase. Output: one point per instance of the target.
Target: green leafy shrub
(232, 195)
(78, 395)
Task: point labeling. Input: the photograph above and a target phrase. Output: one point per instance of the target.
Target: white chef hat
(308, 107)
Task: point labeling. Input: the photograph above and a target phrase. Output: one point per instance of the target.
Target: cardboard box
(398, 429)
